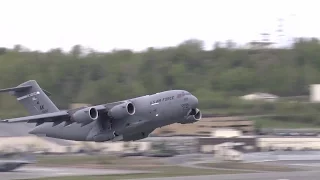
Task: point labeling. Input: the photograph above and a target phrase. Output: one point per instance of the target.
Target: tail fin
(33, 98)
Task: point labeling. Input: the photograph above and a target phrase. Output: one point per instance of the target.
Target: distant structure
(206, 126)
(261, 44)
(281, 38)
(280, 32)
(260, 96)
(315, 93)
(226, 133)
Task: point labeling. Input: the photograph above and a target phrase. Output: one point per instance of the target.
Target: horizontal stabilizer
(48, 117)
(16, 89)
(22, 88)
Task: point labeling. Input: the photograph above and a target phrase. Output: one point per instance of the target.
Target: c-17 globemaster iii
(126, 120)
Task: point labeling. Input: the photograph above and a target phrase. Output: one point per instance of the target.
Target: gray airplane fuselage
(151, 112)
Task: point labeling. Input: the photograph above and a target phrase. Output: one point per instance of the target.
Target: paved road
(38, 172)
(306, 175)
(186, 161)
(312, 174)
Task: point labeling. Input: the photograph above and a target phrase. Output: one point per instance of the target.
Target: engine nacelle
(122, 110)
(85, 116)
(194, 116)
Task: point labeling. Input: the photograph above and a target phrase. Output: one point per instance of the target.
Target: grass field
(169, 171)
(250, 166)
(158, 168)
(99, 161)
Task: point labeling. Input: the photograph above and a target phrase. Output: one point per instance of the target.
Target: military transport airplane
(126, 120)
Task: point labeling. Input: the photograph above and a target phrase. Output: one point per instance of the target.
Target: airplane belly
(133, 124)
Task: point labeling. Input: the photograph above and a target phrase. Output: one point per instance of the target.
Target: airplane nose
(194, 101)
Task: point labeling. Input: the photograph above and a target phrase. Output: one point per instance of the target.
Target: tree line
(217, 77)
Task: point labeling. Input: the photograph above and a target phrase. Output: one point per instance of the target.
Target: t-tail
(33, 98)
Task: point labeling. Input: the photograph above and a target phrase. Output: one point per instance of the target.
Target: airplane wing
(55, 116)
(48, 117)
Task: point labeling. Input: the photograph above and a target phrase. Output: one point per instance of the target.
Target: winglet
(16, 89)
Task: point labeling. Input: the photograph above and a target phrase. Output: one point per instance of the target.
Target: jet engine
(122, 110)
(85, 115)
(193, 116)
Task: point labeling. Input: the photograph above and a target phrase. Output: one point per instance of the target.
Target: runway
(300, 175)
(311, 171)
(38, 172)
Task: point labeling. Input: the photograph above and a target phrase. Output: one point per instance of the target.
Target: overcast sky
(138, 24)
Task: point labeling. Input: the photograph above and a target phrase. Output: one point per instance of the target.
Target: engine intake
(93, 113)
(198, 115)
(122, 110)
(85, 115)
(193, 116)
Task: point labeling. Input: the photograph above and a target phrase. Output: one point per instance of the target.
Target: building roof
(261, 95)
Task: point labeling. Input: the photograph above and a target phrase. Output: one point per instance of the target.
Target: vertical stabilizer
(33, 98)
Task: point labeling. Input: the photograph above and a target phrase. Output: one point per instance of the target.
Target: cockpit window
(185, 93)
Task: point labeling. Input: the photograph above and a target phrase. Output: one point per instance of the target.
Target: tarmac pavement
(299, 175)
(38, 172)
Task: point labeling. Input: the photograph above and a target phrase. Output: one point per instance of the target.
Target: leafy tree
(218, 76)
